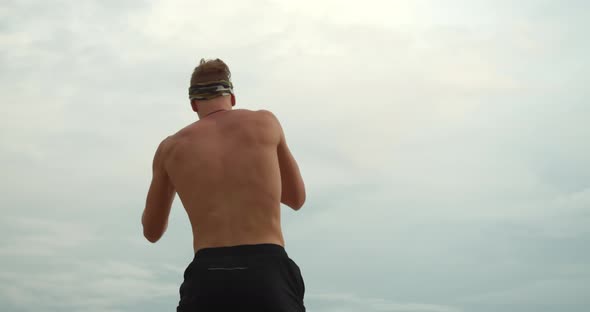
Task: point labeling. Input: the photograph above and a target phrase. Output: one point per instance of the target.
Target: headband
(210, 90)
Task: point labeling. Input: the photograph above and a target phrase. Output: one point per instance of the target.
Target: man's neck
(216, 111)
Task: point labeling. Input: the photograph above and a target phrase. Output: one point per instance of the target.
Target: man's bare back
(231, 171)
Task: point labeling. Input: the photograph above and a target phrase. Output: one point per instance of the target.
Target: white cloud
(85, 285)
(432, 137)
(564, 292)
(44, 237)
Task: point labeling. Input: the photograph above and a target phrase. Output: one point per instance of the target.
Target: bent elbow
(297, 206)
(298, 202)
(301, 201)
(294, 197)
(151, 236)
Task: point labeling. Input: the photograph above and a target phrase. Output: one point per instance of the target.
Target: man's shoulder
(187, 131)
(259, 115)
(183, 132)
(264, 113)
(166, 143)
(258, 112)
(162, 150)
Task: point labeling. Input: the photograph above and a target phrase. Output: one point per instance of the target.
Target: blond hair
(210, 70)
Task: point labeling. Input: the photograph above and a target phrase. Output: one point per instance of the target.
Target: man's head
(211, 87)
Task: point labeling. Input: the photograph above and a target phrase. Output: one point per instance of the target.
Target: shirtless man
(231, 169)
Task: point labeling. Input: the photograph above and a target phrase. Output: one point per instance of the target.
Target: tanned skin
(231, 169)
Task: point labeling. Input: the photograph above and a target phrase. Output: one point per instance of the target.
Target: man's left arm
(159, 199)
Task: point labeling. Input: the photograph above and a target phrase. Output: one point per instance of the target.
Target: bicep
(293, 189)
(160, 197)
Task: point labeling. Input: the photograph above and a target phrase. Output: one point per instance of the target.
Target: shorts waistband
(241, 250)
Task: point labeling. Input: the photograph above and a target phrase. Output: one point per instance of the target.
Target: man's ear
(194, 106)
(233, 100)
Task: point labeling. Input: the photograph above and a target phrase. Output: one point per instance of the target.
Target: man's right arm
(293, 188)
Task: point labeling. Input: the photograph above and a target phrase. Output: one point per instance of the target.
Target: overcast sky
(444, 146)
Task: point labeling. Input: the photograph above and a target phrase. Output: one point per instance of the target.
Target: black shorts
(258, 278)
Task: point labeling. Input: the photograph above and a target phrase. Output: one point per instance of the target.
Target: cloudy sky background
(444, 148)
